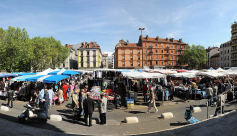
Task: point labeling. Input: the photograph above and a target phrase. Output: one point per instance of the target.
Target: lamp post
(141, 30)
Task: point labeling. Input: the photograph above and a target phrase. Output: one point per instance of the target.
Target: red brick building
(149, 52)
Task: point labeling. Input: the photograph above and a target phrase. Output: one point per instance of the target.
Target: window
(145, 62)
(146, 50)
(88, 53)
(82, 64)
(162, 45)
(162, 56)
(228, 56)
(123, 51)
(94, 58)
(88, 65)
(161, 51)
(138, 51)
(221, 52)
(150, 44)
(81, 58)
(123, 63)
(156, 51)
(167, 46)
(156, 45)
(94, 64)
(176, 52)
(123, 57)
(131, 63)
(145, 56)
(171, 46)
(138, 63)
(176, 57)
(171, 57)
(228, 51)
(87, 46)
(161, 62)
(131, 51)
(138, 57)
(176, 46)
(145, 44)
(180, 47)
(225, 51)
(131, 57)
(221, 58)
(94, 53)
(171, 52)
(171, 63)
(184, 47)
(81, 52)
(156, 62)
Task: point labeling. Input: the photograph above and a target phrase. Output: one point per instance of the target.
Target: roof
(105, 55)
(210, 48)
(166, 40)
(216, 55)
(122, 43)
(89, 45)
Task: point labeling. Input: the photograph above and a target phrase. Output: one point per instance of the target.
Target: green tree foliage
(20, 53)
(193, 56)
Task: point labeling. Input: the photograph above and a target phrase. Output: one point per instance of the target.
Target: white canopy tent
(211, 74)
(184, 74)
(139, 75)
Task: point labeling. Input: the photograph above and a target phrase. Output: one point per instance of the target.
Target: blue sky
(206, 22)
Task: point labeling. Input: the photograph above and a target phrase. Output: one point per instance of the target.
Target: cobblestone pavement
(148, 123)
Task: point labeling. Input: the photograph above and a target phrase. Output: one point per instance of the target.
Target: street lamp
(141, 30)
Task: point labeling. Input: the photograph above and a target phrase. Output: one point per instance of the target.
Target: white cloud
(173, 34)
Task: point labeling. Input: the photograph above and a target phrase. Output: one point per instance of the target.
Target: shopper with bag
(103, 109)
(152, 101)
(75, 101)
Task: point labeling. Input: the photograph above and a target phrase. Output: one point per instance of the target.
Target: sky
(204, 22)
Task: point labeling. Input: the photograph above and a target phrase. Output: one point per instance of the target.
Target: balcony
(150, 52)
(167, 47)
(233, 58)
(234, 37)
(150, 47)
(234, 31)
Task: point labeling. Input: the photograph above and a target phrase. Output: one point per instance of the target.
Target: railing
(206, 101)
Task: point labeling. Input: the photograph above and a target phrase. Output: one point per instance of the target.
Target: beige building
(89, 56)
(105, 60)
(210, 51)
(72, 60)
(225, 55)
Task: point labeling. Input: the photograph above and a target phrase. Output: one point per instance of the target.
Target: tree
(20, 53)
(193, 56)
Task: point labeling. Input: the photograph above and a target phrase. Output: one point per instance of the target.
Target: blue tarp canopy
(53, 73)
(70, 73)
(22, 78)
(7, 75)
(23, 74)
(34, 79)
(211, 68)
(124, 71)
(65, 72)
(55, 78)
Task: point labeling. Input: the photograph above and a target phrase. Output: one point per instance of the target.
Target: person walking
(145, 93)
(209, 93)
(135, 91)
(51, 94)
(65, 87)
(220, 103)
(60, 95)
(117, 96)
(10, 94)
(88, 105)
(75, 101)
(46, 102)
(152, 101)
(103, 109)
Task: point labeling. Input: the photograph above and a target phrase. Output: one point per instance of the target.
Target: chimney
(146, 36)
(172, 39)
(166, 38)
(157, 38)
(180, 40)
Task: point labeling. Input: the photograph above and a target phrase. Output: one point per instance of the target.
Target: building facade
(234, 45)
(113, 61)
(225, 55)
(105, 60)
(89, 56)
(210, 51)
(71, 61)
(110, 59)
(149, 52)
(215, 61)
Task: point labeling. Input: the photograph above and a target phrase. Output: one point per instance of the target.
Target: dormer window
(87, 46)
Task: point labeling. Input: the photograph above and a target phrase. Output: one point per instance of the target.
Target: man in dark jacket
(10, 94)
(88, 105)
(46, 101)
(117, 96)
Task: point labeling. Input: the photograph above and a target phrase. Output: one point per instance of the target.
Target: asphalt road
(148, 122)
